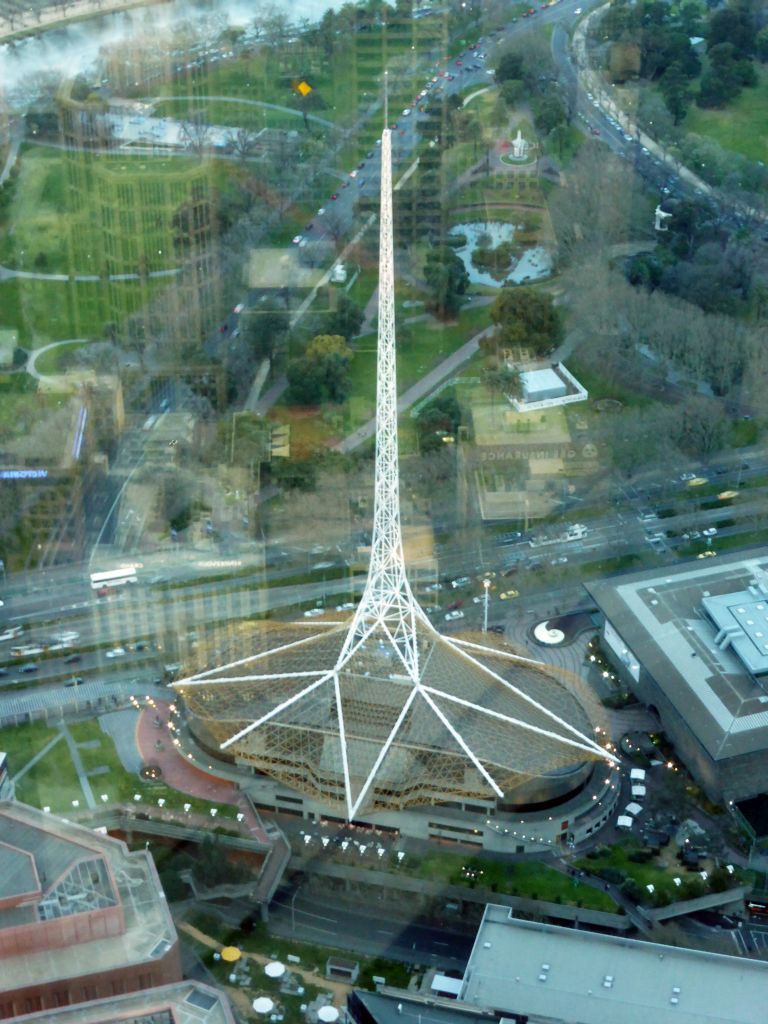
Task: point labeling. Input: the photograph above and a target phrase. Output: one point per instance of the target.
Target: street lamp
(486, 591)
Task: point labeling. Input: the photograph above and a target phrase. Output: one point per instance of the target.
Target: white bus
(107, 581)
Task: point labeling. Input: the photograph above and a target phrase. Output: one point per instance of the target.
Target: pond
(535, 262)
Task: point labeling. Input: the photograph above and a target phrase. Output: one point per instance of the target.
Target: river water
(74, 48)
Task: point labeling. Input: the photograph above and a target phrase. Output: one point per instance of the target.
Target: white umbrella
(263, 1004)
(274, 969)
(633, 809)
(637, 773)
(638, 791)
(624, 821)
(327, 1014)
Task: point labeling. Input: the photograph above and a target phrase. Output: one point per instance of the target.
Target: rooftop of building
(187, 1002)
(552, 972)
(395, 1007)
(53, 869)
(660, 619)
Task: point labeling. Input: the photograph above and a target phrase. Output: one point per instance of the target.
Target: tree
(509, 67)
(242, 142)
(526, 318)
(346, 319)
(195, 132)
(448, 280)
(322, 373)
(548, 113)
(264, 330)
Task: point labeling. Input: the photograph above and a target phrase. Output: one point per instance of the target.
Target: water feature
(533, 264)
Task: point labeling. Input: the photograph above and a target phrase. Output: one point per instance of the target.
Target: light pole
(293, 910)
(486, 592)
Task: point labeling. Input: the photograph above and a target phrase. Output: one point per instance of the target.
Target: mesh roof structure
(383, 712)
(361, 734)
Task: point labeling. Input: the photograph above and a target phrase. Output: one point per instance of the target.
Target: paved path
(417, 391)
(338, 988)
(180, 775)
(38, 756)
(77, 761)
(253, 103)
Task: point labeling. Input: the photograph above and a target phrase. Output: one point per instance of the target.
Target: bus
(757, 908)
(10, 633)
(107, 581)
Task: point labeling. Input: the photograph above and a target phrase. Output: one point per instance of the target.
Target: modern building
(692, 643)
(525, 971)
(186, 1002)
(81, 918)
(382, 713)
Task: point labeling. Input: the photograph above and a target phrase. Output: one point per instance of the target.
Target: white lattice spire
(387, 600)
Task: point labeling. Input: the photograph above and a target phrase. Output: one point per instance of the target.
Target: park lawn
(428, 344)
(236, 112)
(742, 126)
(52, 782)
(46, 311)
(21, 743)
(529, 880)
(50, 361)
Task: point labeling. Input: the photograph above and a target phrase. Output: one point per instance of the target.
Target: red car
(459, 61)
(333, 196)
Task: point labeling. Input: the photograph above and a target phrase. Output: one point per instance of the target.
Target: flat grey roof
(743, 615)
(187, 1002)
(536, 969)
(660, 618)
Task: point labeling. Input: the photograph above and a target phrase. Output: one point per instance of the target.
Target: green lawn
(21, 743)
(530, 880)
(742, 126)
(52, 782)
(50, 362)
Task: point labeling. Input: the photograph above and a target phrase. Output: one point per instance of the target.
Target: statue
(660, 217)
(519, 147)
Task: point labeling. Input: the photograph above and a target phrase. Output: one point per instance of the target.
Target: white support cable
(251, 657)
(518, 692)
(251, 679)
(343, 742)
(385, 749)
(275, 711)
(586, 744)
(463, 744)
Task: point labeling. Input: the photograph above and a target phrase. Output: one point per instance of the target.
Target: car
(507, 595)
(347, 606)
(333, 196)
(239, 308)
(434, 586)
(68, 636)
(73, 659)
(577, 10)
(31, 666)
(406, 112)
(685, 477)
(460, 581)
(497, 629)
(627, 137)
(455, 604)
(321, 211)
(140, 645)
(296, 240)
(595, 131)
(452, 616)
(117, 652)
(711, 531)
(353, 174)
(345, 184)
(709, 553)
(308, 227)
(560, 560)
(75, 681)
(694, 535)
(311, 613)
(459, 62)
(369, 155)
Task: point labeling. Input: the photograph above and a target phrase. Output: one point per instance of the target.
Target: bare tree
(195, 132)
(242, 142)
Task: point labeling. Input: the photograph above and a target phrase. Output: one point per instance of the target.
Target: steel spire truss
(386, 712)
(387, 600)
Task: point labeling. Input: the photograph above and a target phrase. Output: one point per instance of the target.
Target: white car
(406, 112)
(117, 652)
(321, 211)
(347, 606)
(711, 531)
(461, 581)
(312, 613)
(452, 616)
(353, 174)
(296, 240)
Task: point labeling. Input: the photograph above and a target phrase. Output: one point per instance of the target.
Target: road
(368, 931)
